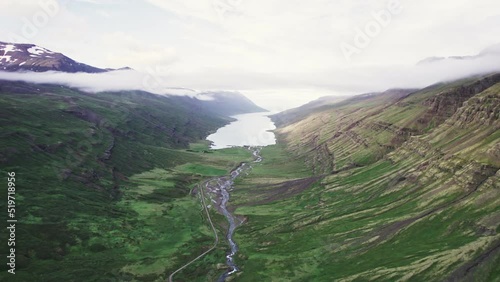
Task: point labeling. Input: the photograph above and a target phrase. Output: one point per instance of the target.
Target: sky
(280, 53)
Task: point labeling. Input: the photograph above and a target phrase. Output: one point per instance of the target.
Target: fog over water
(248, 129)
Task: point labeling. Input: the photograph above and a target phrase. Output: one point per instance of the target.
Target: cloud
(378, 78)
(351, 79)
(134, 52)
(189, 8)
(99, 82)
(273, 46)
(103, 14)
(274, 90)
(19, 8)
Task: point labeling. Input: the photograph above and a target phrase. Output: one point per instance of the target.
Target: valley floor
(364, 224)
(395, 187)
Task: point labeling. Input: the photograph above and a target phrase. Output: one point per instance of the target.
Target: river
(220, 187)
(252, 130)
(248, 130)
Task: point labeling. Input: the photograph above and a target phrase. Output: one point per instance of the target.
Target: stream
(221, 187)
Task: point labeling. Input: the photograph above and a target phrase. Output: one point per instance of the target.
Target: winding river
(251, 131)
(221, 187)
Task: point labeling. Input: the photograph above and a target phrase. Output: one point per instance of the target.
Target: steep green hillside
(363, 129)
(409, 190)
(296, 114)
(103, 182)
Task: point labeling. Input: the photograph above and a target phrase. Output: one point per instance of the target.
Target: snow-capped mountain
(29, 57)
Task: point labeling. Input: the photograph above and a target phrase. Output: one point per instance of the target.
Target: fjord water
(248, 129)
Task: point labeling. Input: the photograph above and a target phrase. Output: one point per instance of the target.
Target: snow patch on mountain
(37, 50)
(9, 48)
(30, 57)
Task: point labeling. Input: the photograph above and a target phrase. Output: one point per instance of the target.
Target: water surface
(248, 129)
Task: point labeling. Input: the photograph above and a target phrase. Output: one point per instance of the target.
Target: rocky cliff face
(446, 103)
(329, 137)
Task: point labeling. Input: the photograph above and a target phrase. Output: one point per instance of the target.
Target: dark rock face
(29, 57)
(445, 104)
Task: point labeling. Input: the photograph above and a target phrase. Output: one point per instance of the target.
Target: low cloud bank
(380, 78)
(297, 86)
(98, 82)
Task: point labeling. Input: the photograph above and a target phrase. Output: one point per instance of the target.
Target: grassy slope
(427, 209)
(103, 182)
(365, 128)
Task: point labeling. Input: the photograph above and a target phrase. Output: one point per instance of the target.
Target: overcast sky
(279, 52)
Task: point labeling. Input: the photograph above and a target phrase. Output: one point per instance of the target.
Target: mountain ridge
(30, 57)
